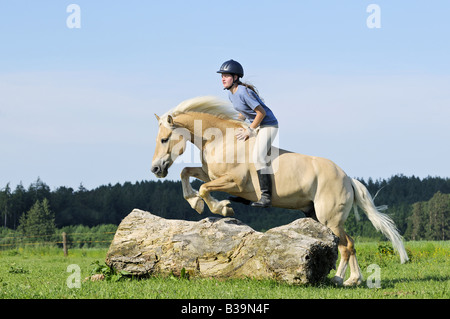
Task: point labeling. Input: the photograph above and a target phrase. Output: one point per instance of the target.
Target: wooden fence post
(64, 241)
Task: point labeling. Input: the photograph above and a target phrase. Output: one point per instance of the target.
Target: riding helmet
(232, 67)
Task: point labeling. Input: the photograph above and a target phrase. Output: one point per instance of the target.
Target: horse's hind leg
(345, 256)
(332, 212)
(348, 257)
(355, 272)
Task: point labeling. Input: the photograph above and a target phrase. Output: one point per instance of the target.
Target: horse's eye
(164, 140)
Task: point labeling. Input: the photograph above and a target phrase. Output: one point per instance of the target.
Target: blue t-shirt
(245, 101)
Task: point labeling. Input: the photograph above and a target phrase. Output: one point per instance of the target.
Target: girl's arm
(245, 134)
(260, 114)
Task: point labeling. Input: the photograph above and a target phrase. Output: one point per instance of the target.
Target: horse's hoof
(227, 211)
(199, 206)
(197, 203)
(352, 282)
(337, 280)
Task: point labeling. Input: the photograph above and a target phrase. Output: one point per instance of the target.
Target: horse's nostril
(155, 169)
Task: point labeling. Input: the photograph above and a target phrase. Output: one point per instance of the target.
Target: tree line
(419, 207)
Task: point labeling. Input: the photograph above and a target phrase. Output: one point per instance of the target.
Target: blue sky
(76, 105)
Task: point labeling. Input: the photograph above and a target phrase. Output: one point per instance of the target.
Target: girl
(264, 124)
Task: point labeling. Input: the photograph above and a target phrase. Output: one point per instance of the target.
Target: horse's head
(170, 143)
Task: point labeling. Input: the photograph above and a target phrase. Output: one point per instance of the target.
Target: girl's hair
(248, 86)
(251, 87)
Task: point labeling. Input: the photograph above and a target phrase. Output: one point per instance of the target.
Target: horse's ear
(157, 117)
(170, 120)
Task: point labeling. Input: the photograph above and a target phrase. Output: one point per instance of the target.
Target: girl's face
(227, 80)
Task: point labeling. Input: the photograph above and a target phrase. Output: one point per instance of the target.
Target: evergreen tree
(417, 221)
(38, 221)
(439, 217)
(5, 198)
(430, 220)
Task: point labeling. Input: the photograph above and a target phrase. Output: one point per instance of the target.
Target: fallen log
(301, 252)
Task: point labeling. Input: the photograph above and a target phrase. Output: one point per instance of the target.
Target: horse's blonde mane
(205, 104)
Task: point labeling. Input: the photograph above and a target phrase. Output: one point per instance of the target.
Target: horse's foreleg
(222, 184)
(189, 193)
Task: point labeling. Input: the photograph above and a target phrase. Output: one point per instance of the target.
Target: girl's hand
(244, 134)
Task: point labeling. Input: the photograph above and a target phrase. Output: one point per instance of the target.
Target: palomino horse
(312, 184)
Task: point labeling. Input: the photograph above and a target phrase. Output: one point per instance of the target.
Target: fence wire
(73, 240)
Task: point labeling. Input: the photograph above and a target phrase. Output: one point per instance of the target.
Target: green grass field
(42, 273)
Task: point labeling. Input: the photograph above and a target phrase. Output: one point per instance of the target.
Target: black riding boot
(265, 184)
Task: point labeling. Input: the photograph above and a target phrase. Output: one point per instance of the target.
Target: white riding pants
(264, 139)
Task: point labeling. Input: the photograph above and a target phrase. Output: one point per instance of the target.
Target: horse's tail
(380, 221)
